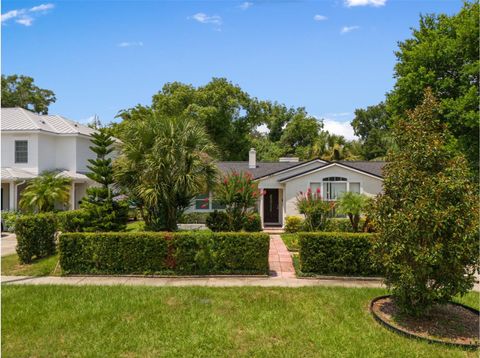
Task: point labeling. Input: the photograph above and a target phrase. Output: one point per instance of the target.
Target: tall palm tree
(44, 191)
(164, 163)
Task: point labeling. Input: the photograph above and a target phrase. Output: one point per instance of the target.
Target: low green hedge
(72, 220)
(336, 253)
(193, 218)
(342, 225)
(35, 236)
(164, 253)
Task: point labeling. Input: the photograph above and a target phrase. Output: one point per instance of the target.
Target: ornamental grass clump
(315, 209)
(427, 217)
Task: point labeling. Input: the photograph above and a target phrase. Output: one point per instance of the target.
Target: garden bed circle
(406, 333)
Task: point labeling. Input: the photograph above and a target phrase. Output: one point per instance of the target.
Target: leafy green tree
(353, 205)
(103, 212)
(239, 193)
(300, 134)
(371, 125)
(164, 163)
(427, 217)
(443, 54)
(20, 91)
(43, 192)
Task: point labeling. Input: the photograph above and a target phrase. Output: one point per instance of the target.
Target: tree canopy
(443, 55)
(20, 91)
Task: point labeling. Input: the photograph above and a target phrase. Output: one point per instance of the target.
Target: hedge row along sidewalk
(337, 253)
(190, 253)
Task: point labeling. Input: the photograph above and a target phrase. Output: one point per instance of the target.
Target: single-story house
(282, 181)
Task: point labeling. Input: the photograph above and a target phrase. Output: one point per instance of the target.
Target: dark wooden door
(270, 206)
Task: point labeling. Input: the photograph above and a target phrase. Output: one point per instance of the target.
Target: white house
(282, 181)
(33, 143)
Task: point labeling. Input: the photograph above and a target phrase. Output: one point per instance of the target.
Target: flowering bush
(239, 194)
(315, 209)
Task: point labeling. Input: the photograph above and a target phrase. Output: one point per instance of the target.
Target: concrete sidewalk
(187, 281)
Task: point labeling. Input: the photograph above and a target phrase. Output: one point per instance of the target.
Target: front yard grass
(43, 267)
(291, 241)
(119, 321)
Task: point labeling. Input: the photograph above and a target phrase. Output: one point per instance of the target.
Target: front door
(270, 206)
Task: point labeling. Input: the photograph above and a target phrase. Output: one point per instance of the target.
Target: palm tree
(44, 191)
(353, 205)
(164, 163)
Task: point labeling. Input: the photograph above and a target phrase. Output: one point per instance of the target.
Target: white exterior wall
(66, 153)
(83, 153)
(47, 146)
(369, 185)
(8, 151)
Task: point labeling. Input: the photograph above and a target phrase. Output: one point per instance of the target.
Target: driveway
(8, 244)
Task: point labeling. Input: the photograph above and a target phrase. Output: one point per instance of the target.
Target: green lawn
(66, 321)
(42, 267)
(135, 226)
(291, 241)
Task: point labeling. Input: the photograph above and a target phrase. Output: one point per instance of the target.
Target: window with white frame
(333, 187)
(21, 151)
(207, 202)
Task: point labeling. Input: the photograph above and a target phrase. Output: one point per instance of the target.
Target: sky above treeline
(99, 57)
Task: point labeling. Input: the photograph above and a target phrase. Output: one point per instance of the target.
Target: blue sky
(102, 56)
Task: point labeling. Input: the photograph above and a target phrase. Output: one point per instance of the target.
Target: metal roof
(19, 119)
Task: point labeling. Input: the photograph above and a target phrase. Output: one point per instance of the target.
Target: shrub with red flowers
(239, 193)
(315, 209)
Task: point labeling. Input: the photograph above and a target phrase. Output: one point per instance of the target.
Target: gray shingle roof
(262, 169)
(267, 168)
(19, 119)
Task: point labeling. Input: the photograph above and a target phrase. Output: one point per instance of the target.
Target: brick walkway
(279, 259)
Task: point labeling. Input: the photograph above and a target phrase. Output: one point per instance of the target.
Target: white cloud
(26, 17)
(130, 44)
(320, 18)
(25, 21)
(205, 19)
(347, 29)
(339, 127)
(375, 3)
(246, 5)
(42, 7)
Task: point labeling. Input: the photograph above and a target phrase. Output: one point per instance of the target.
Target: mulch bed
(449, 323)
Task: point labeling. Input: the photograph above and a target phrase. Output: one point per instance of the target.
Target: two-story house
(33, 143)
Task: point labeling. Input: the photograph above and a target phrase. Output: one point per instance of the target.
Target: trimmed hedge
(72, 220)
(35, 236)
(193, 218)
(342, 225)
(164, 253)
(337, 253)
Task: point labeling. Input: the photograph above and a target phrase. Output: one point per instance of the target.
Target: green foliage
(20, 91)
(372, 126)
(239, 193)
(35, 236)
(218, 221)
(43, 192)
(443, 54)
(193, 218)
(427, 218)
(164, 163)
(9, 219)
(291, 241)
(300, 135)
(293, 224)
(252, 222)
(353, 205)
(334, 253)
(315, 209)
(103, 212)
(148, 253)
(72, 220)
(342, 225)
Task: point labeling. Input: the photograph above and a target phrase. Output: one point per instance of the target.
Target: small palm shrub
(44, 191)
(315, 209)
(352, 205)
